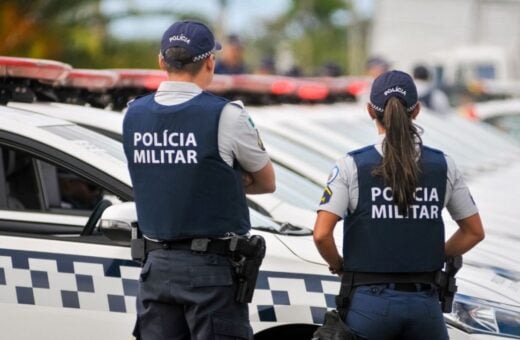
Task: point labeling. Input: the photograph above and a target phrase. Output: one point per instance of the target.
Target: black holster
(446, 282)
(137, 245)
(334, 326)
(248, 254)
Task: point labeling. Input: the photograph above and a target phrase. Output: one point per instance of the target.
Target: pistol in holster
(248, 254)
(446, 282)
(137, 245)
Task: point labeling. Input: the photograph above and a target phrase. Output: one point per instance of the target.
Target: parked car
(502, 114)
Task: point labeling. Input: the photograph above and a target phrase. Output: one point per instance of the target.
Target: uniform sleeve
(238, 138)
(336, 195)
(459, 202)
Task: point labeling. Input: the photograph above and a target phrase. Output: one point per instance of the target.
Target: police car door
(54, 283)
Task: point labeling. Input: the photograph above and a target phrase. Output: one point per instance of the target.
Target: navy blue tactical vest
(377, 238)
(182, 187)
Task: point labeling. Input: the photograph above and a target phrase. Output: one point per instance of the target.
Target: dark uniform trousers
(380, 313)
(185, 295)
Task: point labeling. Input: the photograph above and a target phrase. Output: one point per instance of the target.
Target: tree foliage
(76, 32)
(313, 36)
(73, 31)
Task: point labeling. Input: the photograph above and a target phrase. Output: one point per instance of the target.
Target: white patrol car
(65, 279)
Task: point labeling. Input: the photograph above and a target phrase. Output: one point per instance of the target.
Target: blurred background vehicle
(503, 114)
(473, 50)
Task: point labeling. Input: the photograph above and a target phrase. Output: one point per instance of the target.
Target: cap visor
(217, 47)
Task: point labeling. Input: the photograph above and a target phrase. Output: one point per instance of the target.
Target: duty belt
(362, 278)
(398, 281)
(200, 245)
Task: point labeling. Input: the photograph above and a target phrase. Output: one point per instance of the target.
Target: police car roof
(90, 147)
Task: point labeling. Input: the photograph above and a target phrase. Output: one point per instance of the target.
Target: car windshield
(295, 189)
(317, 160)
(262, 221)
(507, 123)
(91, 141)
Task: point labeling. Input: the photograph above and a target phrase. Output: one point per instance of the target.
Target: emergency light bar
(312, 91)
(91, 79)
(141, 78)
(358, 87)
(281, 86)
(39, 69)
(340, 86)
(264, 84)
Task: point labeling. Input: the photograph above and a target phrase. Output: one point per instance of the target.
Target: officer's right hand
(338, 270)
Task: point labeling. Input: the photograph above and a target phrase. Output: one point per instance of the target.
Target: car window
(318, 160)
(507, 123)
(38, 186)
(295, 189)
(92, 141)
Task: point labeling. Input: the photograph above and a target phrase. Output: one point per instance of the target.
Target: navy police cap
(195, 37)
(393, 84)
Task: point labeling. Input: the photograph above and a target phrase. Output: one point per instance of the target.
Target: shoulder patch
(333, 174)
(327, 194)
(250, 124)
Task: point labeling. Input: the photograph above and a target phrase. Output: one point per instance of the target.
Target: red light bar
(344, 85)
(358, 87)
(40, 69)
(312, 91)
(283, 87)
(221, 83)
(269, 84)
(91, 79)
(149, 79)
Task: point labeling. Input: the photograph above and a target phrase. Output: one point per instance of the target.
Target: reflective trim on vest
(182, 186)
(377, 238)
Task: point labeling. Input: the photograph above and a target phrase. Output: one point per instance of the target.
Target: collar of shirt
(176, 92)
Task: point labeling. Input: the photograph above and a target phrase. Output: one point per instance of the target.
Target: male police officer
(192, 157)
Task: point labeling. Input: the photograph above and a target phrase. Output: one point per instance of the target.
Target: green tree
(74, 32)
(316, 32)
(52, 29)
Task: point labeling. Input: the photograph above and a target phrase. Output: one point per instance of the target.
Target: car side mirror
(117, 221)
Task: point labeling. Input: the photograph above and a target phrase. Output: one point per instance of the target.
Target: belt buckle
(200, 245)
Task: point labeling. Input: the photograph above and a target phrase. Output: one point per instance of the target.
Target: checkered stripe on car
(104, 284)
(293, 297)
(62, 280)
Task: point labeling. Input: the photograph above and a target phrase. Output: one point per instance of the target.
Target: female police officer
(390, 196)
